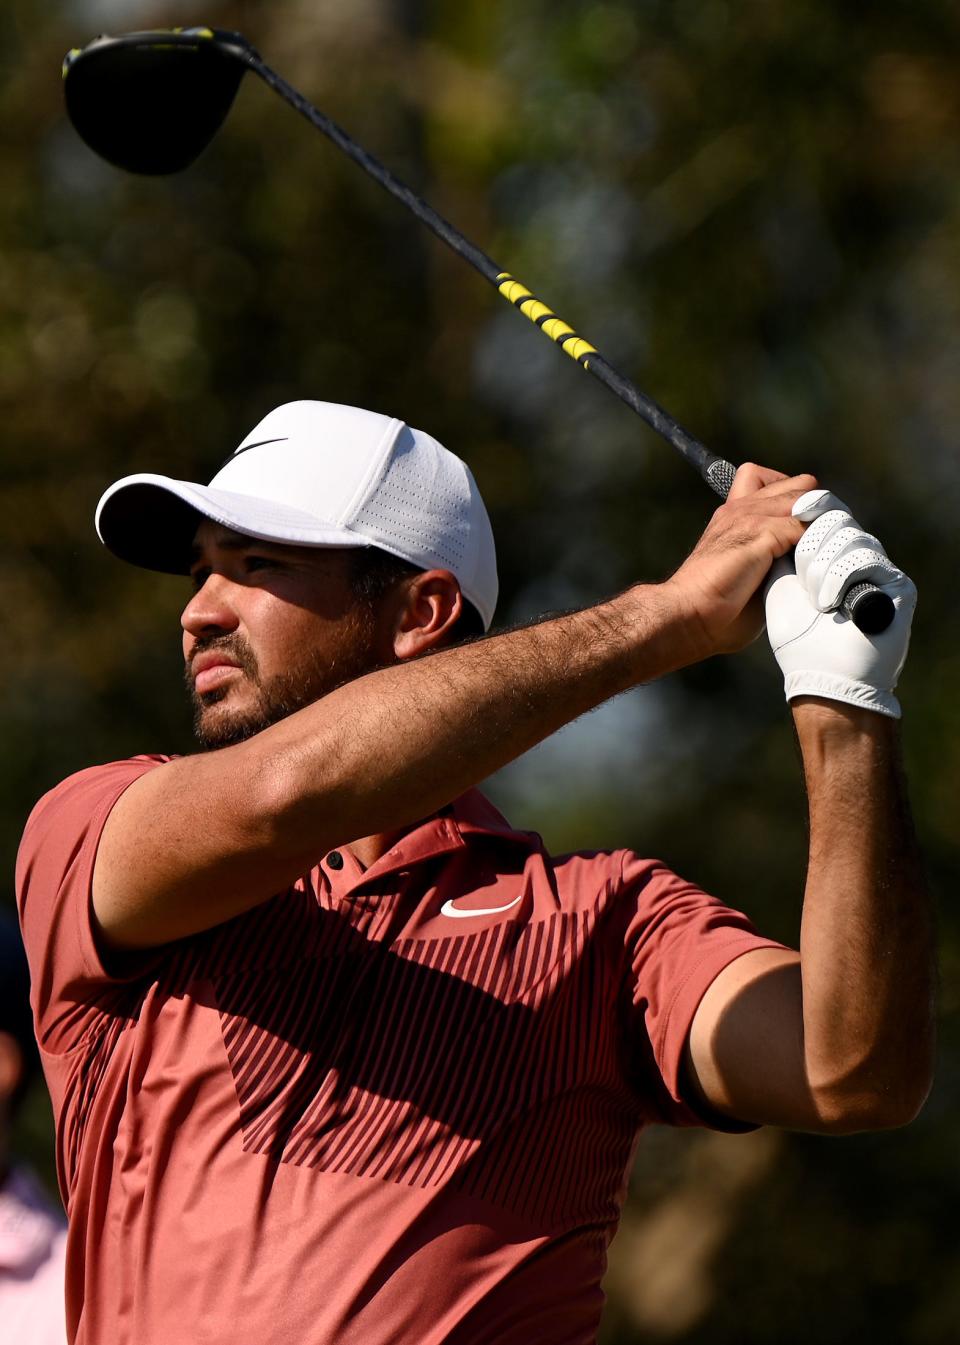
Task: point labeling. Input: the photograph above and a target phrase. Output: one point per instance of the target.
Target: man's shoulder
(81, 794)
(104, 772)
(609, 874)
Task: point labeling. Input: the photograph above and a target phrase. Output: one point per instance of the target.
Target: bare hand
(719, 585)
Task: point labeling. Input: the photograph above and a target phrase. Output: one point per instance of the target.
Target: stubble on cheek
(213, 720)
(233, 713)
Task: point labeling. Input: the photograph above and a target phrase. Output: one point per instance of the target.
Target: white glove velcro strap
(832, 687)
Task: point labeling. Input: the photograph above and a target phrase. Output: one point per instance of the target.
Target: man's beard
(314, 677)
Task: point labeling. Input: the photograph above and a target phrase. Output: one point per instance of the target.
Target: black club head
(152, 102)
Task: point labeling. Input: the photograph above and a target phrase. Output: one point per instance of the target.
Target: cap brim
(151, 521)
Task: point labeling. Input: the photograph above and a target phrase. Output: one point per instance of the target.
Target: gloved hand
(819, 650)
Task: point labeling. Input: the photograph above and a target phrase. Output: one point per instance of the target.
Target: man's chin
(217, 724)
(223, 718)
(242, 708)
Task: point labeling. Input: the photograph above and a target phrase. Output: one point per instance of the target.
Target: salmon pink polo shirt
(387, 1105)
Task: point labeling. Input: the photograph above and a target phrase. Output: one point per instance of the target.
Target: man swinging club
(336, 1055)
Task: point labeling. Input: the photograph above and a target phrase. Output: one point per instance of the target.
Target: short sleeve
(71, 985)
(678, 939)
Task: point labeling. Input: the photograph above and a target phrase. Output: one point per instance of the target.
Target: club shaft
(577, 347)
(717, 472)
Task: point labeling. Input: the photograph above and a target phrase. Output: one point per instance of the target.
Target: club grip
(868, 607)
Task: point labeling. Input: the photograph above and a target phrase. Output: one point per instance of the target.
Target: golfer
(337, 1056)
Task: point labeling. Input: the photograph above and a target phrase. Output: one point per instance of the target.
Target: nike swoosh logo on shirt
(456, 913)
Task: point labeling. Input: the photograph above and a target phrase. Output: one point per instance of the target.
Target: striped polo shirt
(386, 1105)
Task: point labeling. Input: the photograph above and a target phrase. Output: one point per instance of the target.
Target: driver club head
(151, 102)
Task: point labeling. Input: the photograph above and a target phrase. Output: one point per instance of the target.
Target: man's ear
(428, 608)
(11, 1066)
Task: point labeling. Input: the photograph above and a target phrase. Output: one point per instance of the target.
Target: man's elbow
(871, 1110)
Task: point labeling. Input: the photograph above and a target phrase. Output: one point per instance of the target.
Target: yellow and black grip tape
(533, 308)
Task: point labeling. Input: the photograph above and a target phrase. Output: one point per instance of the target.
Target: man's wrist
(834, 725)
(832, 686)
(664, 636)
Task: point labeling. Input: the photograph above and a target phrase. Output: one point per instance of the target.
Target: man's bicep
(54, 880)
(745, 1051)
(183, 849)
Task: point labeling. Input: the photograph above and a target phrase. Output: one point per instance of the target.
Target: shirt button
(335, 860)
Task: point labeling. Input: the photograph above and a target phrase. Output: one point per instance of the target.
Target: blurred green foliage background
(754, 211)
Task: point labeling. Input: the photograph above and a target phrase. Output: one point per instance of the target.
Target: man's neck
(371, 848)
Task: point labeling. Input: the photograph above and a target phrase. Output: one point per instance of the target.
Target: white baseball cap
(318, 474)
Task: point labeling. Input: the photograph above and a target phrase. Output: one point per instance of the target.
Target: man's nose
(211, 610)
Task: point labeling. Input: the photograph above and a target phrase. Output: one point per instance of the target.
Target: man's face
(270, 629)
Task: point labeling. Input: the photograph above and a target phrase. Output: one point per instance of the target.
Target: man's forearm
(214, 834)
(866, 940)
(393, 746)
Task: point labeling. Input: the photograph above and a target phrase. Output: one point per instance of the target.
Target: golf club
(151, 102)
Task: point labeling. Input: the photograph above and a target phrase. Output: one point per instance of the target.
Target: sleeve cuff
(679, 1021)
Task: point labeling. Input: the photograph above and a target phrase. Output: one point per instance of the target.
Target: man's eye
(200, 577)
(258, 562)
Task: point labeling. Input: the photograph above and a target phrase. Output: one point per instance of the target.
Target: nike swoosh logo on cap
(456, 913)
(245, 448)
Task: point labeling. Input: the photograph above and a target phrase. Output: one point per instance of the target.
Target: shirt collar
(474, 815)
(469, 819)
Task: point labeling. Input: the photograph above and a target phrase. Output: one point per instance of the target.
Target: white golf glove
(819, 650)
